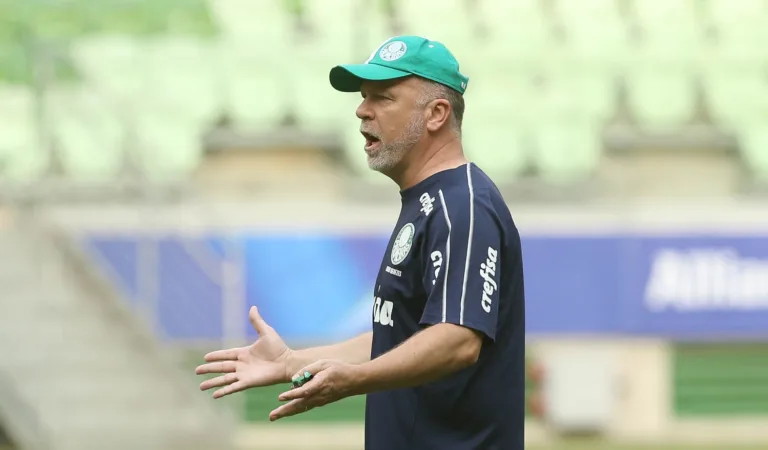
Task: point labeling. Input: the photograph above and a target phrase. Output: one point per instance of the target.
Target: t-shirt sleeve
(463, 259)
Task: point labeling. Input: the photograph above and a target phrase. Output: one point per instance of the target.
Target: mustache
(369, 132)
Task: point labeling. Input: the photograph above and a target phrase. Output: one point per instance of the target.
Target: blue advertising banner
(318, 288)
(695, 286)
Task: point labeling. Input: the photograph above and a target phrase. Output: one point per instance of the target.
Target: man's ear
(439, 114)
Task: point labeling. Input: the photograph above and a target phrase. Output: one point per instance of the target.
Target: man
(443, 368)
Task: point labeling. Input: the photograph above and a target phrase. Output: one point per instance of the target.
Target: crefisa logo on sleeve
(488, 272)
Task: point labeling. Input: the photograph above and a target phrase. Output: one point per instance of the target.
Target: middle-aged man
(443, 368)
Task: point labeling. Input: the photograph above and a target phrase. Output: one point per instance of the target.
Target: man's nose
(364, 111)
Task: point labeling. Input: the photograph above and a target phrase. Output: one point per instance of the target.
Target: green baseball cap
(399, 57)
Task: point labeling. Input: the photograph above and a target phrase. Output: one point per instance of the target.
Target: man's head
(412, 96)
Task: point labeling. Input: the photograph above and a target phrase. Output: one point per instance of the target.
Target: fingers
(314, 368)
(216, 367)
(259, 324)
(230, 389)
(223, 355)
(218, 381)
(289, 409)
(300, 392)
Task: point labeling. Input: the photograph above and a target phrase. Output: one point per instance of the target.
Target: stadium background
(168, 163)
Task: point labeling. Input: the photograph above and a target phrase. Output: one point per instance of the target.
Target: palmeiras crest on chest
(402, 245)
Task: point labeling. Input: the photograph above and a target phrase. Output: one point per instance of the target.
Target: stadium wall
(621, 287)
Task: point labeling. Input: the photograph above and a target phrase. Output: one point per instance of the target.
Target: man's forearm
(353, 351)
(429, 355)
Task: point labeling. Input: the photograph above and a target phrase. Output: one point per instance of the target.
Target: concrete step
(100, 440)
(123, 389)
(87, 330)
(99, 361)
(83, 370)
(126, 420)
(53, 334)
(43, 306)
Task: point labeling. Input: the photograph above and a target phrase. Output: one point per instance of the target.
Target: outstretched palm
(263, 363)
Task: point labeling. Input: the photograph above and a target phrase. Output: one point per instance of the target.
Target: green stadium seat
(261, 24)
(170, 148)
(574, 92)
(602, 44)
(521, 34)
(383, 20)
(573, 107)
(158, 17)
(735, 96)
(14, 64)
(651, 13)
(737, 18)
(175, 79)
(661, 98)
(340, 37)
(436, 20)
(499, 149)
(595, 33)
(671, 30)
(584, 10)
(21, 158)
(568, 151)
(513, 94)
(502, 107)
(753, 141)
(111, 64)
(741, 31)
(189, 18)
(319, 107)
(88, 133)
(254, 86)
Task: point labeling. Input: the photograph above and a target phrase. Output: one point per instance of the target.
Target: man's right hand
(263, 363)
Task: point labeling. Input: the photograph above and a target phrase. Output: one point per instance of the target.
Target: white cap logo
(393, 50)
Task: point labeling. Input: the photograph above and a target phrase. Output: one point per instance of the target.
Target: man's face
(392, 121)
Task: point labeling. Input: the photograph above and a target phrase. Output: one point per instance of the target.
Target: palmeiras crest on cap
(393, 50)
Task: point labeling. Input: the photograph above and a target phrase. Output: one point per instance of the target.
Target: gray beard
(391, 154)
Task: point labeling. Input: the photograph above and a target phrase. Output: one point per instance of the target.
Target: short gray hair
(434, 91)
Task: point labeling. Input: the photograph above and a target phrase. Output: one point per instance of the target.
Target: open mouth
(371, 141)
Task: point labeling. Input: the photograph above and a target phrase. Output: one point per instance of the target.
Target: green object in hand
(301, 379)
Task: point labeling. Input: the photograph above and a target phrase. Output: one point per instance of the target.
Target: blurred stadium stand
(164, 163)
(114, 90)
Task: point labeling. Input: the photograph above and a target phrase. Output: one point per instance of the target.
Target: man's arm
(353, 351)
(462, 280)
(429, 355)
(433, 353)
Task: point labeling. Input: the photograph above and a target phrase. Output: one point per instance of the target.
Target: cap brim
(349, 77)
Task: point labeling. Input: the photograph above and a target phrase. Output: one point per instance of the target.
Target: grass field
(595, 446)
(604, 446)
(339, 427)
(322, 436)
(586, 446)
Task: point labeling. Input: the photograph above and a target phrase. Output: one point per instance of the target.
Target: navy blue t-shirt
(453, 257)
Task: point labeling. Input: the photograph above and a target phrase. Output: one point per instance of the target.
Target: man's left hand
(331, 381)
